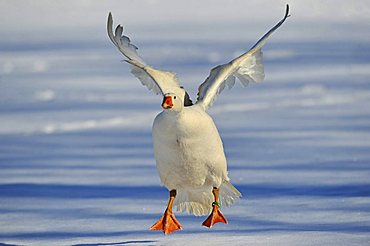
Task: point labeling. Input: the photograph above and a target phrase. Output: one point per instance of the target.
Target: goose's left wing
(247, 68)
(156, 80)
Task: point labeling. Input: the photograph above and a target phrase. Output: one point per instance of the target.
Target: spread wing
(247, 68)
(156, 80)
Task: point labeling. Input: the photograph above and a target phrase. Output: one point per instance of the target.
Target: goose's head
(175, 100)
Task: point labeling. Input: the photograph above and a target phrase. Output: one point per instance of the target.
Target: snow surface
(76, 160)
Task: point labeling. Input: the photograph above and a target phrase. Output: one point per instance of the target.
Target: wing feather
(146, 80)
(155, 80)
(246, 68)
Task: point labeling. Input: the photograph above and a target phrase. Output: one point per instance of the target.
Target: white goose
(187, 146)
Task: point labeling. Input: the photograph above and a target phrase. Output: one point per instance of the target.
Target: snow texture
(76, 158)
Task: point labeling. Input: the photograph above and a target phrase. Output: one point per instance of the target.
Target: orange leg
(216, 215)
(168, 223)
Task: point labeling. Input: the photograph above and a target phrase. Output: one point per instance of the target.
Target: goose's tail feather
(199, 202)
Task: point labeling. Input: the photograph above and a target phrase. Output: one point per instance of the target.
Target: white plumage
(190, 158)
(187, 146)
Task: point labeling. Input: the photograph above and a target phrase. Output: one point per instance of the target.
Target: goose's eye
(174, 97)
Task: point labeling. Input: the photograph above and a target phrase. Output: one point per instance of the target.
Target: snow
(76, 160)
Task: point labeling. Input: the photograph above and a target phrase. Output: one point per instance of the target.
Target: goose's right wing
(156, 80)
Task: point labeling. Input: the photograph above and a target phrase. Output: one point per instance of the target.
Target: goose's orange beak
(167, 102)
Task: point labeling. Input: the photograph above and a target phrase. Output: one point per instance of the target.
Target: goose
(188, 149)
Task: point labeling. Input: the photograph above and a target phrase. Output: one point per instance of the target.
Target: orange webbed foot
(215, 217)
(167, 223)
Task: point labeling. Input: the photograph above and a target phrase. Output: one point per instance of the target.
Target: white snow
(45, 95)
(76, 159)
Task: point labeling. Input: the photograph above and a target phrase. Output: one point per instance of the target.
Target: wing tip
(110, 20)
(110, 27)
(287, 12)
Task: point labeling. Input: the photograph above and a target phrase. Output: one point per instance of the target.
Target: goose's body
(188, 150)
(187, 146)
(190, 158)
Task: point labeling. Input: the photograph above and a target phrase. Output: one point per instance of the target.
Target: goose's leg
(216, 215)
(168, 223)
